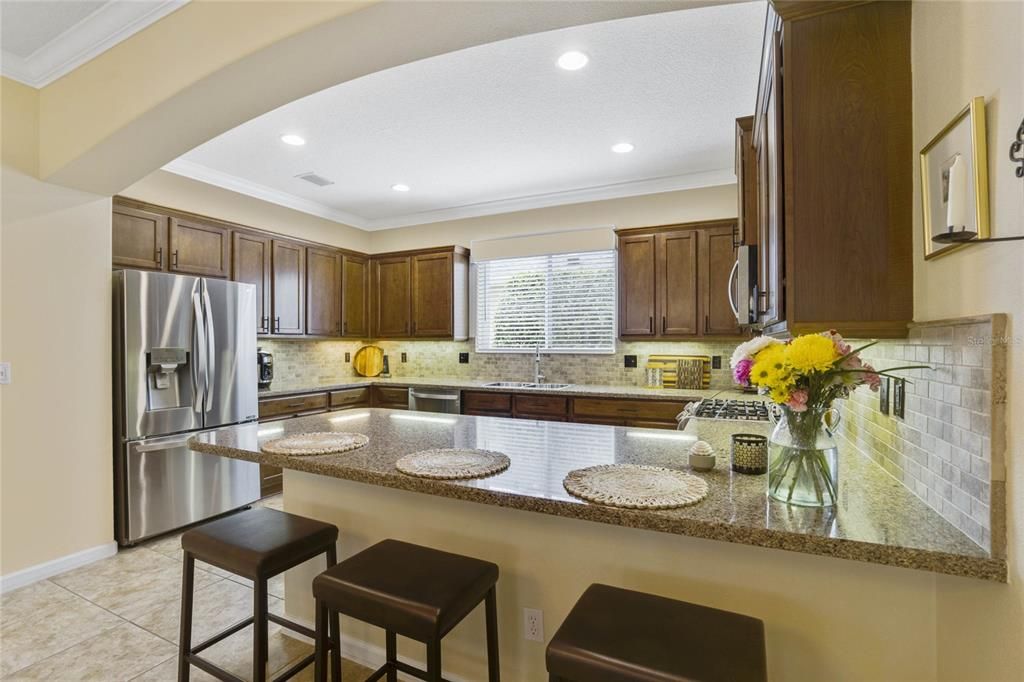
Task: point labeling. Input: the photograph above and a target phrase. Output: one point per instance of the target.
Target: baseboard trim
(364, 653)
(27, 576)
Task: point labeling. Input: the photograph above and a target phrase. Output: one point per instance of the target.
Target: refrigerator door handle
(200, 377)
(211, 350)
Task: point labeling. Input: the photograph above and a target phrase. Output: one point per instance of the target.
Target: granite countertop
(278, 389)
(877, 520)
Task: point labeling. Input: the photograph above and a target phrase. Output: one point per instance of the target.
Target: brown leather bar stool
(256, 544)
(417, 592)
(616, 635)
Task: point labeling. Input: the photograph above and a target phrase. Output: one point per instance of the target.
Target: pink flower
(871, 378)
(798, 400)
(741, 372)
(842, 348)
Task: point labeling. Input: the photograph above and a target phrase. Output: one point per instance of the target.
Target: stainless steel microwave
(743, 286)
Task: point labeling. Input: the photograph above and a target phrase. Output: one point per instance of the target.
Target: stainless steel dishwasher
(435, 400)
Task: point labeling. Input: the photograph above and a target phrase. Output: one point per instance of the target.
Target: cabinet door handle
(264, 321)
(174, 258)
(160, 257)
(707, 324)
(664, 324)
(414, 326)
(650, 324)
(277, 324)
(344, 327)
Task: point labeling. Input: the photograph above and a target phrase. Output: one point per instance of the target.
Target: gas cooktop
(743, 410)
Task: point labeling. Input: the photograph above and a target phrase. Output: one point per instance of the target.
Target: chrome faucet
(537, 376)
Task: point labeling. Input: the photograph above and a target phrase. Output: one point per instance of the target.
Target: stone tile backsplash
(948, 448)
(304, 360)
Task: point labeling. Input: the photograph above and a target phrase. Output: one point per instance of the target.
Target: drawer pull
(296, 404)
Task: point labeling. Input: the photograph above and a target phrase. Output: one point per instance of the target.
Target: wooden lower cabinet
(547, 407)
(650, 414)
(487, 404)
(392, 397)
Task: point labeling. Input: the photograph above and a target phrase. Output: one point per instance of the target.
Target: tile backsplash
(948, 448)
(303, 360)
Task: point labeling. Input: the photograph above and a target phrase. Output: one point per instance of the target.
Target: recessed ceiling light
(623, 148)
(573, 60)
(293, 140)
(400, 187)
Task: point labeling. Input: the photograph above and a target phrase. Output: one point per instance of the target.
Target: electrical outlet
(898, 395)
(883, 396)
(716, 362)
(463, 358)
(533, 625)
(404, 357)
(348, 357)
(630, 360)
(5, 372)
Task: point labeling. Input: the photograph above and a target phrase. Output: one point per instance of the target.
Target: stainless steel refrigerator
(184, 361)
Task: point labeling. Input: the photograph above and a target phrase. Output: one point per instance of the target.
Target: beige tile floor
(117, 619)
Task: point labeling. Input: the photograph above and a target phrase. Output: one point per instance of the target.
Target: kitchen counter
(281, 388)
(877, 521)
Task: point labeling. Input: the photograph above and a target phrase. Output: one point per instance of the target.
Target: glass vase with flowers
(804, 377)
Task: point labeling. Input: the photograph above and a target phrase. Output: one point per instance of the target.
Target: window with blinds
(564, 303)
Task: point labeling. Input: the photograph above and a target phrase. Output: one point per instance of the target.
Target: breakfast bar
(723, 551)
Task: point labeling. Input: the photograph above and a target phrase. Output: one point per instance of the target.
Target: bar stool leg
(391, 646)
(491, 606)
(259, 633)
(333, 625)
(322, 641)
(185, 633)
(434, 661)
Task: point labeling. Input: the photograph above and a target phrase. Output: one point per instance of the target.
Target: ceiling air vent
(318, 180)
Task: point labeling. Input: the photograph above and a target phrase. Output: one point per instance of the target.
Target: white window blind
(563, 303)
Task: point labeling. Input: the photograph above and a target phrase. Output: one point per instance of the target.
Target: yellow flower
(810, 353)
(770, 368)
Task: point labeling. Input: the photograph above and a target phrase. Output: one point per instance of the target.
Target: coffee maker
(265, 367)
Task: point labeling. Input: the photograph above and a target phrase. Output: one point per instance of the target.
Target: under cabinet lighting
(662, 436)
(424, 418)
(293, 140)
(346, 417)
(573, 60)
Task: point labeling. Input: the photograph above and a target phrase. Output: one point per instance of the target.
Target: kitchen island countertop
(877, 519)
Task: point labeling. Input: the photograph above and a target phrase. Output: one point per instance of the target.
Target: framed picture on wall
(954, 181)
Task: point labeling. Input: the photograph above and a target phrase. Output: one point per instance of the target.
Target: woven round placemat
(453, 463)
(635, 486)
(316, 443)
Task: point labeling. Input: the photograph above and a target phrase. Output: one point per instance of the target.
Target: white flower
(751, 348)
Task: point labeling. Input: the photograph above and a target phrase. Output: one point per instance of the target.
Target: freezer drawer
(165, 486)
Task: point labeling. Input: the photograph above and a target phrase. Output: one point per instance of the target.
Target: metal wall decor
(1017, 150)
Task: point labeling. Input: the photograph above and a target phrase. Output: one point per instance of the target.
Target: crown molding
(195, 171)
(98, 32)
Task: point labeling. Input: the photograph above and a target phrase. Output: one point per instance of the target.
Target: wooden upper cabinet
(637, 306)
(677, 282)
(139, 239)
(432, 312)
(836, 227)
(718, 255)
(391, 282)
(250, 263)
(746, 181)
(355, 313)
(289, 284)
(199, 248)
(323, 292)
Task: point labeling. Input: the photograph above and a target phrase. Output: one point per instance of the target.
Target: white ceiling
(41, 40)
(500, 127)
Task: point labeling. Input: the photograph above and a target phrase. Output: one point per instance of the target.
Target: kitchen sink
(508, 384)
(524, 384)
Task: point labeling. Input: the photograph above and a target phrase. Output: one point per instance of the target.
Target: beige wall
(961, 50)
(652, 209)
(19, 126)
(175, 191)
(55, 426)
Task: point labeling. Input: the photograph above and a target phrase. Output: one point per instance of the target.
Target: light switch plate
(899, 391)
(5, 372)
